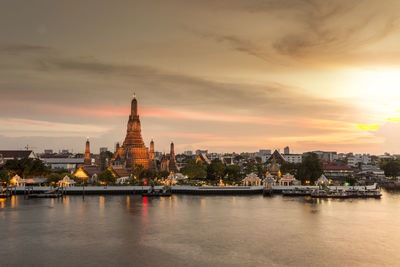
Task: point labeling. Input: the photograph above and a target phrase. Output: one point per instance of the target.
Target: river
(186, 230)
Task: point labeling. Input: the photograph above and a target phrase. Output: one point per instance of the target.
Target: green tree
(288, 167)
(162, 174)
(195, 170)
(250, 167)
(26, 167)
(54, 177)
(137, 171)
(232, 174)
(107, 177)
(4, 178)
(391, 168)
(215, 170)
(310, 169)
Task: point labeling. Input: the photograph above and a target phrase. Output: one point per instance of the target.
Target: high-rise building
(132, 152)
(286, 150)
(103, 149)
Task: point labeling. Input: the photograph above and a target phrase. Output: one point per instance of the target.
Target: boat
(330, 194)
(163, 192)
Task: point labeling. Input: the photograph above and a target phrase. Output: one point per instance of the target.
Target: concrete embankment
(194, 190)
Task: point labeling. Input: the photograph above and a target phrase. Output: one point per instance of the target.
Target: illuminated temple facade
(132, 152)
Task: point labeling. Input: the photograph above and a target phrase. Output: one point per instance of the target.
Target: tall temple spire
(134, 107)
(133, 152)
(172, 160)
(152, 159)
(151, 153)
(87, 160)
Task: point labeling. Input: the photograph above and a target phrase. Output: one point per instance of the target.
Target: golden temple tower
(87, 160)
(133, 152)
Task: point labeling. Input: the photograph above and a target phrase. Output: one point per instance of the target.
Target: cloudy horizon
(227, 76)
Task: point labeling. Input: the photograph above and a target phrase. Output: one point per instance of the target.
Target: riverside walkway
(177, 189)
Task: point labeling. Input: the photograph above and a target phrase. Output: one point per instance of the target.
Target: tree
(250, 167)
(391, 168)
(288, 167)
(195, 170)
(26, 167)
(310, 169)
(162, 174)
(232, 173)
(4, 178)
(215, 170)
(107, 177)
(137, 171)
(54, 177)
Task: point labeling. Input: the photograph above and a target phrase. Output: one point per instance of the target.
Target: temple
(132, 152)
(172, 161)
(152, 159)
(87, 160)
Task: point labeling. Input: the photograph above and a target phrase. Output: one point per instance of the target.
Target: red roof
(336, 167)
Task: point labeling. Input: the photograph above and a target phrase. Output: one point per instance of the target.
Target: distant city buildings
(198, 152)
(6, 155)
(363, 159)
(188, 153)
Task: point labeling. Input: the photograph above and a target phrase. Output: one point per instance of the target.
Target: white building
(293, 158)
(63, 163)
(364, 159)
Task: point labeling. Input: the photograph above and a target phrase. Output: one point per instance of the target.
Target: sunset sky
(223, 75)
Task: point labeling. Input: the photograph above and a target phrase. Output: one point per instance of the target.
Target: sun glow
(380, 86)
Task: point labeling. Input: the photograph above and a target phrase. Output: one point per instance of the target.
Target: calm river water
(199, 231)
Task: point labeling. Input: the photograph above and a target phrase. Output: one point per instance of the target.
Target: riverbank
(177, 189)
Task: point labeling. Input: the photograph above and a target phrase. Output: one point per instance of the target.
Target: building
(172, 161)
(198, 152)
(103, 149)
(152, 159)
(57, 162)
(132, 152)
(340, 172)
(264, 152)
(326, 156)
(354, 161)
(87, 160)
(287, 180)
(188, 153)
(15, 154)
(293, 158)
(203, 157)
(251, 180)
(286, 150)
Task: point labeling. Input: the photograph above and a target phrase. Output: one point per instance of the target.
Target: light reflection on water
(200, 231)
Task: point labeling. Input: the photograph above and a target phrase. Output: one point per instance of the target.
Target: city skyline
(216, 76)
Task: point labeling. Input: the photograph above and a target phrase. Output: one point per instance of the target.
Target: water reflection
(200, 230)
